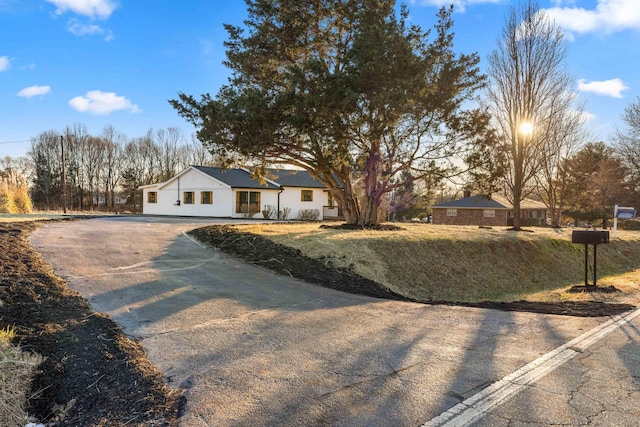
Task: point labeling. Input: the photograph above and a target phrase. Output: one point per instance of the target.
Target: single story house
(234, 193)
(484, 211)
(476, 210)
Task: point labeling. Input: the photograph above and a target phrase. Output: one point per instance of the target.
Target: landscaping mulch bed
(259, 250)
(93, 374)
(286, 260)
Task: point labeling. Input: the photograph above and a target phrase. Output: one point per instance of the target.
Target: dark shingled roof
(475, 202)
(236, 178)
(293, 178)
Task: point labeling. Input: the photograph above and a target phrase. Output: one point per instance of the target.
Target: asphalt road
(254, 348)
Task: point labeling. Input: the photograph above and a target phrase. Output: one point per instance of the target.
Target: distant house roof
(524, 204)
(236, 178)
(475, 202)
(495, 202)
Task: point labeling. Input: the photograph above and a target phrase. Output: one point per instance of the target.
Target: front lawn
(469, 264)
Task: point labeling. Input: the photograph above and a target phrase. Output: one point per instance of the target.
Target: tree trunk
(347, 199)
(372, 188)
(370, 210)
(517, 214)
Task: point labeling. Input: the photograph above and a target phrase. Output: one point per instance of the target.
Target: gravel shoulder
(93, 374)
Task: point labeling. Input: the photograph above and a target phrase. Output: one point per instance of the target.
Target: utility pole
(64, 178)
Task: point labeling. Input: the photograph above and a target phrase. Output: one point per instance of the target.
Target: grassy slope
(468, 263)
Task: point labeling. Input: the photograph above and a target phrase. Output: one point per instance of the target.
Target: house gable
(190, 177)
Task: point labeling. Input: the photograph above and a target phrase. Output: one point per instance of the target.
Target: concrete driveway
(254, 348)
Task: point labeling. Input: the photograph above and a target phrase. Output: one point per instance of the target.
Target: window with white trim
(489, 213)
(452, 212)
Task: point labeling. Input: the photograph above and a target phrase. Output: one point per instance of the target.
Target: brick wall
(469, 217)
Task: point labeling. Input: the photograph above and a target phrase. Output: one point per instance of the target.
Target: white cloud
(79, 29)
(608, 16)
(98, 102)
(613, 87)
(94, 9)
(587, 116)
(36, 90)
(459, 5)
(5, 64)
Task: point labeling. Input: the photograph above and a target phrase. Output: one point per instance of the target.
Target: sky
(118, 62)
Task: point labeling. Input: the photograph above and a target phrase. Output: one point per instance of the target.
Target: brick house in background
(481, 210)
(532, 212)
(476, 210)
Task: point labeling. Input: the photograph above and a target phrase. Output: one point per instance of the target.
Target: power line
(14, 142)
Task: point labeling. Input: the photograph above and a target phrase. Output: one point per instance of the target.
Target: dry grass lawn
(469, 264)
(17, 368)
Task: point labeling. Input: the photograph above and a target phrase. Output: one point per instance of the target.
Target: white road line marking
(475, 407)
(130, 270)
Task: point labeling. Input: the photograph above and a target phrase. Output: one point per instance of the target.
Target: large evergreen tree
(345, 89)
(597, 182)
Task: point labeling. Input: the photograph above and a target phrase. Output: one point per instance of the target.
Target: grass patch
(17, 369)
(467, 264)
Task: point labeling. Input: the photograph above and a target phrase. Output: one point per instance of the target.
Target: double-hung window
(206, 198)
(188, 198)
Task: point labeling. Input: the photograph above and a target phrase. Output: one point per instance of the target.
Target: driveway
(254, 348)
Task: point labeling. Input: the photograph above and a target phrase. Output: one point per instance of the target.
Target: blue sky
(117, 62)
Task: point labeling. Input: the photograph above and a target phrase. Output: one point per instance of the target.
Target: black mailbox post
(590, 237)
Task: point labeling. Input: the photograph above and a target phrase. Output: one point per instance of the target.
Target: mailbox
(590, 237)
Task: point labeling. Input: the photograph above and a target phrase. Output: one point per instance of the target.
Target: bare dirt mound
(285, 260)
(93, 374)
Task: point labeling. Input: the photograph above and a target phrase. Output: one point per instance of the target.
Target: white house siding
(173, 190)
(291, 198)
(224, 190)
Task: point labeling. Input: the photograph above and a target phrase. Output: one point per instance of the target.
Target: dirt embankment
(286, 260)
(93, 374)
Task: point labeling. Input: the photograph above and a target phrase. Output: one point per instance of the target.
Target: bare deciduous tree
(628, 141)
(528, 86)
(565, 135)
